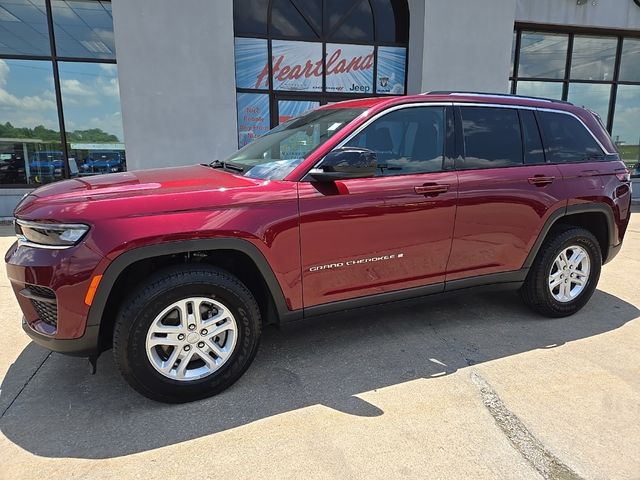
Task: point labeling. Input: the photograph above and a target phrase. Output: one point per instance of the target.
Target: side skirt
(498, 281)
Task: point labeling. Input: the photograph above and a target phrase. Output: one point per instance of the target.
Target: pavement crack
(534, 452)
(25, 385)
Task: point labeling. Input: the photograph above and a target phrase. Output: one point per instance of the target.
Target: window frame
(572, 32)
(54, 58)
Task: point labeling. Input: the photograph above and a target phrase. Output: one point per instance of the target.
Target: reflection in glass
(357, 26)
(83, 28)
(626, 126)
(250, 16)
(287, 21)
(30, 147)
(23, 28)
(593, 58)
(630, 61)
(539, 89)
(93, 122)
(542, 55)
(592, 96)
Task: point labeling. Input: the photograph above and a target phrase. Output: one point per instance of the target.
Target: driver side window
(406, 141)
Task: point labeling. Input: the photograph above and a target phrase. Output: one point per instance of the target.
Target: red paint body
(486, 222)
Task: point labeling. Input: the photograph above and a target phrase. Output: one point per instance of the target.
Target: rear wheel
(564, 274)
(189, 333)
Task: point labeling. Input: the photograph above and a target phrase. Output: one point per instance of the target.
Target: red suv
(353, 204)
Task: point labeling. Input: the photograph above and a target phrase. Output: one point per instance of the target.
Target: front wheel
(187, 334)
(564, 274)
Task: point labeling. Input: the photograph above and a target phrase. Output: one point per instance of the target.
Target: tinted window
(533, 151)
(566, 139)
(250, 16)
(491, 137)
(286, 20)
(406, 141)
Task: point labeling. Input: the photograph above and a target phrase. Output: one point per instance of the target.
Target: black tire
(536, 293)
(161, 290)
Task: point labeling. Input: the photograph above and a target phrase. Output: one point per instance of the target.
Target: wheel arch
(598, 218)
(135, 263)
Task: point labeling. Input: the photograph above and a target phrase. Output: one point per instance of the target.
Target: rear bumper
(84, 346)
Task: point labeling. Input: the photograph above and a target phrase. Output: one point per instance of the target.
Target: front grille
(48, 312)
(42, 291)
(44, 304)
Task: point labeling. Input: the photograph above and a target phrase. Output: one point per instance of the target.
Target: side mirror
(344, 163)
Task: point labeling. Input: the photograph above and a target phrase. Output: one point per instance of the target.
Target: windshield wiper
(226, 166)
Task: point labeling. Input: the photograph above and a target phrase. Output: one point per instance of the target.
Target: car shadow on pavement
(66, 412)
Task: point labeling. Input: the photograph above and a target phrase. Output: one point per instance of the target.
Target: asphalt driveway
(466, 386)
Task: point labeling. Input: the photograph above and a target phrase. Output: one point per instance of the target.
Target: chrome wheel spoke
(164, 341)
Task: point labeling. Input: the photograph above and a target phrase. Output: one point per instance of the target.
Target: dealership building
(90, 87)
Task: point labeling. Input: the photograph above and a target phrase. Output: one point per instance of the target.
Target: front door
(367, 236)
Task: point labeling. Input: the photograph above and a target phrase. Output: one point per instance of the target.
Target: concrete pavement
(466, 386)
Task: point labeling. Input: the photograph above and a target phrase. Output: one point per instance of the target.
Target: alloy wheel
(569, 273)
(191, 338)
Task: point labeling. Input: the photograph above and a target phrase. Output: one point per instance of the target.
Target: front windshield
(274, 155)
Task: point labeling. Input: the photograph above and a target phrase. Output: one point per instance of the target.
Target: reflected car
(11, 169)
(46, 166)
(103, 161)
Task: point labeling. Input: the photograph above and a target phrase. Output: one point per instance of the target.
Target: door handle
(541, 180)
(432, 189)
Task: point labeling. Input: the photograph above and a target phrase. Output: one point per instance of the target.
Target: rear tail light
(623, 175)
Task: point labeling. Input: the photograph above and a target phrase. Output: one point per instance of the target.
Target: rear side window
(533, 151)
(567, 140)
(406, 141)
(491, 137)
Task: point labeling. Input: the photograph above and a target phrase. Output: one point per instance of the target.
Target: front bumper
(84, 346)
(50, 287)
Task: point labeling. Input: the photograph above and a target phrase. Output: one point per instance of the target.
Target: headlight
(50, 235)
(114, 169)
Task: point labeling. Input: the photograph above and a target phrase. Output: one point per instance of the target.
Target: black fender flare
(129, 257)
(572, 210)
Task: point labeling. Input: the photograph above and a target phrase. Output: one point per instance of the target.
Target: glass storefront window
(630, 60)
(93, 122)
(314, 52)
(30, 147)
(543, 55)
(626, 126)
(593, 96)
(593, 58)
(83, 29)
(23, 28)
(539, 89)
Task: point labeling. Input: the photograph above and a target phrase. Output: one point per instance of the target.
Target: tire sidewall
(145, 310)
(568, 239)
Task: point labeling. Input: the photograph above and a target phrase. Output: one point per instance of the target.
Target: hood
(163, 183)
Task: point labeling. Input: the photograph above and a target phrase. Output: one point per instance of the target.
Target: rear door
(506, 190)
(368, 236)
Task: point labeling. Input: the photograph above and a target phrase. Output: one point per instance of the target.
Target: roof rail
(489, 95)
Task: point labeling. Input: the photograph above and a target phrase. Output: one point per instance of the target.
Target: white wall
(466, 44)
(177, 81)
(594, 13)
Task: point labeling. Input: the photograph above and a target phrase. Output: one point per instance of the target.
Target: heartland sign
(297, 66)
